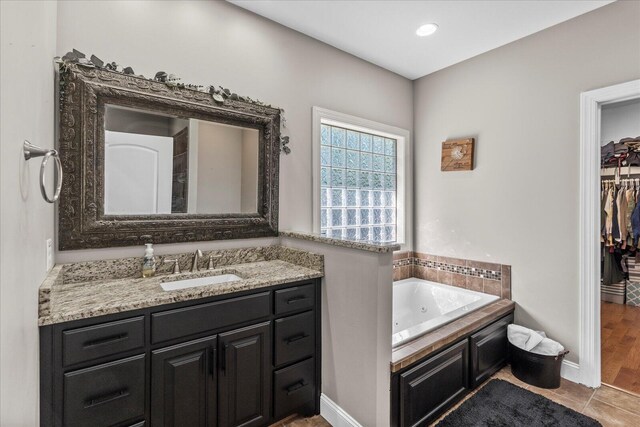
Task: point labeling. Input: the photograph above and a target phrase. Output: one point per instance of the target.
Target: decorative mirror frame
(84, 92)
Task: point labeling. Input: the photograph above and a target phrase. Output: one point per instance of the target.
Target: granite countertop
(353, 244)
(84, 290)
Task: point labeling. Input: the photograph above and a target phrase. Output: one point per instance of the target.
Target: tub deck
(406, 354)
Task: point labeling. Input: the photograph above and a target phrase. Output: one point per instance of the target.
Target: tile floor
(621, 346)
(612, 407)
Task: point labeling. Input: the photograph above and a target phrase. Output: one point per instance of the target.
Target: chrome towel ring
(31, 151)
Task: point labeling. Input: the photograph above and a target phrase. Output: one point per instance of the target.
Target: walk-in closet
(620, 245)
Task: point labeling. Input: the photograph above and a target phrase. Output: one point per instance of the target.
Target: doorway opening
(620, 244)
(609, 195)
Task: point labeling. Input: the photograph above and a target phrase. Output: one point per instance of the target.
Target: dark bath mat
(502, 404)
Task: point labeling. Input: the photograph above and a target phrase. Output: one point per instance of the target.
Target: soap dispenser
(149, 263)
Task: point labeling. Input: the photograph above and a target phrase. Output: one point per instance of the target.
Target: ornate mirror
(156, 161)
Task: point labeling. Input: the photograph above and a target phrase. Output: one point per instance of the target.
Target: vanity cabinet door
(489, 350)
(244, 383)
(434, 385)
(183, 384)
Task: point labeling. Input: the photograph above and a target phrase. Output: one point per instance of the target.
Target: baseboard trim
(334, 414)
(570, 371)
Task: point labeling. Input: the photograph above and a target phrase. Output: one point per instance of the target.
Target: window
(357, 185)
(359, 176)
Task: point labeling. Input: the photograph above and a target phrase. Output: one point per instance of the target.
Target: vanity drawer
(293, 387)
(104, 339)
(294, 299)
(294, 338)
(105, 395)
(182, 322)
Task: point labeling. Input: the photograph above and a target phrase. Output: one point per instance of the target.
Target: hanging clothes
(620, 234)
(621, 204)
(615, 225)
(635, 224)
(631, 205)
(612, 272)
(608, 208)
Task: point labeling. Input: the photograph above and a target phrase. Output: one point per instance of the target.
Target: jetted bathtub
(420, 306)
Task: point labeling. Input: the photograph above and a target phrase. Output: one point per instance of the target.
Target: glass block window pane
(353, 140)
(337, 137)
(358, 185)
(352, 198)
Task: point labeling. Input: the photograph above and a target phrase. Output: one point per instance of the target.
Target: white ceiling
(383, 31)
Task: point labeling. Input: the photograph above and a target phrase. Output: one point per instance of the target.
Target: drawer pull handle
(296, 299)
(103, 341)
(296, 338)
(212, 362)
(223, 362)
(106, 398)
(296, 387)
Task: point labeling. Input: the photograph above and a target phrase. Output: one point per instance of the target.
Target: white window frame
(404, 180)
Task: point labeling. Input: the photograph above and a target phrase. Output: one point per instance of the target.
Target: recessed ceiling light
(427, 30)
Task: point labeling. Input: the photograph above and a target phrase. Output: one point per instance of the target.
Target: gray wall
(356, 329)
(131, 121)
(213, 42)
(520, 204)
(620, 120)
(28, 32)
(219, 168)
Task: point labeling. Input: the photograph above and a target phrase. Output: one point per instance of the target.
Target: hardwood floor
(296, 421)
(621, 346)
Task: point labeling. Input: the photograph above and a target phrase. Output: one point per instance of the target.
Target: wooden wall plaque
(457, 155)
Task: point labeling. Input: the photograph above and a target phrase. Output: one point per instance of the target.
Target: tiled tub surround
(490, 278)
(95, 288)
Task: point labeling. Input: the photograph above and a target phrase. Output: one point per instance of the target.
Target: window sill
(353, 244)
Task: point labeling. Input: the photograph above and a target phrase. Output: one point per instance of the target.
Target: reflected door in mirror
(137, 177)
(160, 164)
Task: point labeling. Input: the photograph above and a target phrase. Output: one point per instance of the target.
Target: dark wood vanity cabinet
(489, 350)
(424, 390)
(183, 382)
(434, 384)
(245, 376)
(244, 359)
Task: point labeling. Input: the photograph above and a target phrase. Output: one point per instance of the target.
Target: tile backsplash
(490, 278)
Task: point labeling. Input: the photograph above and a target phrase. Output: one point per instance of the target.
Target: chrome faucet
(194, 263)
(176, 265)
(212, 264)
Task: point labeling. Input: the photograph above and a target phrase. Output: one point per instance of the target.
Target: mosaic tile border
(491, 278)
(464, 270)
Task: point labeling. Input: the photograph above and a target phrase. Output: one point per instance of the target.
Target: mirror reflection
(159, 164)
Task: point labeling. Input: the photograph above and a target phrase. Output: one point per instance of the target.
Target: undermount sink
(199, 281)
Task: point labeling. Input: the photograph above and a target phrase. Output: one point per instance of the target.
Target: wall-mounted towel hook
(31, 151)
